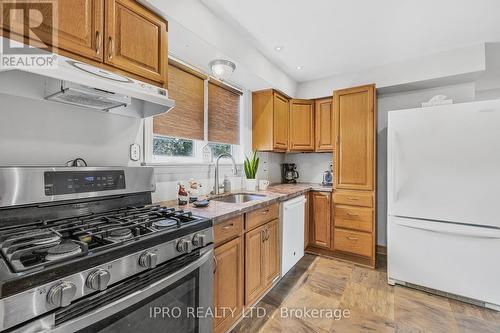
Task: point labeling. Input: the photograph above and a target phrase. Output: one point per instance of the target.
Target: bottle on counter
(227, 184)
(182, 195)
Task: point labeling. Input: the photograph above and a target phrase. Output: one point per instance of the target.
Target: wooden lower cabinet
(271, 253)
(354, 225)
(254, 264)
(261, 260)
(321, 219)
(228, 283)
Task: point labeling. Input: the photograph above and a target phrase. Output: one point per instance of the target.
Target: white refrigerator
(443, 224)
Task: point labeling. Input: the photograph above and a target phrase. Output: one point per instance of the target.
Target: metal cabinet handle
(263, 235)
(352, 238)
(229, 226)
(111, 47)
(98, 42)
(352, 214)
(215, 264)
(352, 198)
(267, 234)
(265, 211)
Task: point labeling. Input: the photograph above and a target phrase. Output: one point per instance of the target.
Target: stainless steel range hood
(87, 86)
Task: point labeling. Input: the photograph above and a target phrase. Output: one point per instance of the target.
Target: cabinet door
(254, 264)
(355, 144)
(136, 40)
(79, 29)
(228, 283)
(280, 122)
(321, 221)
(301, 125)
(271, 252)
(324, 124)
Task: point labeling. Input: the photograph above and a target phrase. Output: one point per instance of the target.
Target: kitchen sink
(239, 197)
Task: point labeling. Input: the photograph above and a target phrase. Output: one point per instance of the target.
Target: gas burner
(62, 250)
(166, 223)
(120, 234)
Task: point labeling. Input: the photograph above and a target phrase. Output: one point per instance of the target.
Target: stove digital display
(70, 182)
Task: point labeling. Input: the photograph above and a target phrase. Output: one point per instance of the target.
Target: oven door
(173, 297)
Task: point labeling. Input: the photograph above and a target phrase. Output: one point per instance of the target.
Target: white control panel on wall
(135, 152)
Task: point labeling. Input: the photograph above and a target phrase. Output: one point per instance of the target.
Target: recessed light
(300, 67)
(279, 48)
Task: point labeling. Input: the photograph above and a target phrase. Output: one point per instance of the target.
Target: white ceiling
(329, 37)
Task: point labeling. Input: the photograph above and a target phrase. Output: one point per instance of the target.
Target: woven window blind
(223, 114)
(186, 119)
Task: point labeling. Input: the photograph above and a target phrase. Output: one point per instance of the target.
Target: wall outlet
(135, 152)
(207, 154)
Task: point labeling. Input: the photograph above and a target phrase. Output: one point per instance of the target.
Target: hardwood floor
(373, 305)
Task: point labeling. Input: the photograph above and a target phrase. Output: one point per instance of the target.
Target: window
(207, 113)
(167, 146)
(220, 148)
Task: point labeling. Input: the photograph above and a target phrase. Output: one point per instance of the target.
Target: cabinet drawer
(228, 229)
(354, 242)
(353, 198)
(351, 217)
(261, 216)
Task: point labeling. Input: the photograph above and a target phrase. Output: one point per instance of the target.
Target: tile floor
(373, 305)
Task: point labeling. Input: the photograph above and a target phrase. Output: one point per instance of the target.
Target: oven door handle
(206, 255)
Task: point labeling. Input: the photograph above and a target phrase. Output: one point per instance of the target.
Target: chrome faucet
(216, 185)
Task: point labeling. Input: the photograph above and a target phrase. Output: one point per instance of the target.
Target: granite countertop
(220, 211)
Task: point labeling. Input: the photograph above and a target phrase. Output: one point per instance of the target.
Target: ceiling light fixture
(279, 48)
(222, 69)
(300, 67)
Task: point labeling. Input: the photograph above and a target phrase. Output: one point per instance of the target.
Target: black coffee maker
(289, 173)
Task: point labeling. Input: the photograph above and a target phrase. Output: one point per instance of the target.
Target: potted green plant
(251, 167)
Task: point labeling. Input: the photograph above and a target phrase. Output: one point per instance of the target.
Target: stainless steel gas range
(83, 250)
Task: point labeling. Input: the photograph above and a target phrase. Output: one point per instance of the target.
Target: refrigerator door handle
(450, 228)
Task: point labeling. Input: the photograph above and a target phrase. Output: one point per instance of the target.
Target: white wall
(397, 101)
(44, 133)
(310, 165)
(459, 64)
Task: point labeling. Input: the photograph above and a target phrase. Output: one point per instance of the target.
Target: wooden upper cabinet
(301, 125)
(136, 40)
(280, 122)
(270, 111)
(228, 283)
(324, 125)
(321, 219)
(79, 27)
(354, 110)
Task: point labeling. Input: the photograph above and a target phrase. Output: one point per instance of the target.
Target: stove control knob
(61, 294)
(98, 279)
(148, 259)
(183, 246)
(198, 240)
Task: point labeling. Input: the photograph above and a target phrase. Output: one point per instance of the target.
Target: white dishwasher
(292, 233)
